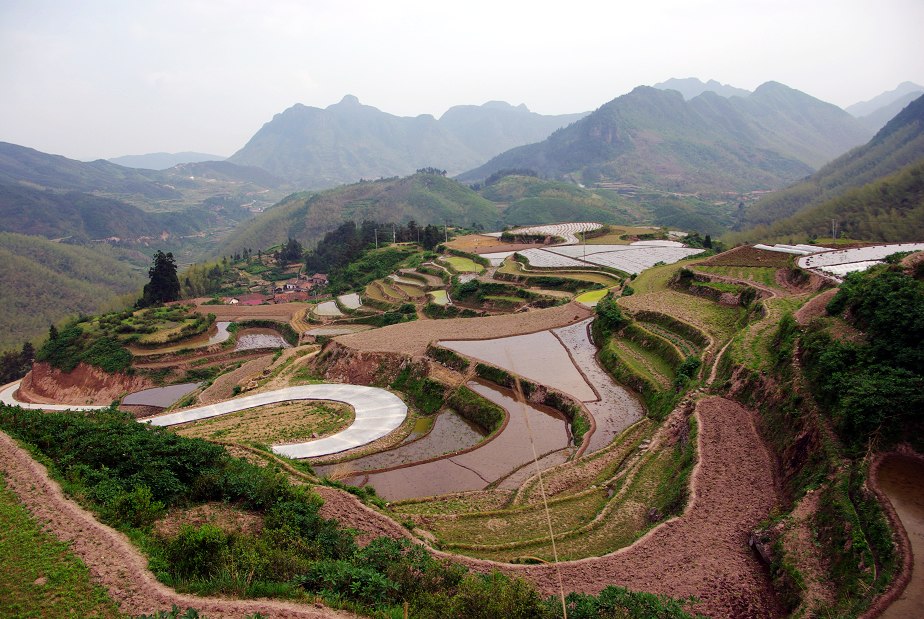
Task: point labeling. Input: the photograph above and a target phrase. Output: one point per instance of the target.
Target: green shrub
(477, 409)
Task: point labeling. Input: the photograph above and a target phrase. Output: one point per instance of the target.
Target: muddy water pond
(537, 356)
(509, 450)
(450, 433)
(254, 339)
(902, 479)
(160, 396)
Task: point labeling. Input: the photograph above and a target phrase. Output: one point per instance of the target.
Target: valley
(600, 415)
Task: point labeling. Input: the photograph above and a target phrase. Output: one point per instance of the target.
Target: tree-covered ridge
(424, 198)
(872, 387)
(898, 145)
(44, 282)
(890, 210)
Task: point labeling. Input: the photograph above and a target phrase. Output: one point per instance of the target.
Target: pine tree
(164, 284)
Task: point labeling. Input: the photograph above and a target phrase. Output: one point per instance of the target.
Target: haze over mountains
(348, 141)
(874, 192)
(162, 161)
(655, 138)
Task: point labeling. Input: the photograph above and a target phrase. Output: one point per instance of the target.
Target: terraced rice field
(569, 231)
(439, 297)
(462, 265)
(328, 309)
(592, 277)
(591, 297)
(630, 259)
(759, 275)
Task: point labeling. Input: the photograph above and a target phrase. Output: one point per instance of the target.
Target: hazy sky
(92, 79)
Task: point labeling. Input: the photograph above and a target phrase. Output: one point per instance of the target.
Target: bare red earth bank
(84, 385)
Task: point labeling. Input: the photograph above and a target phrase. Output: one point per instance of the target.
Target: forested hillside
(426, 197)
(897, 146)
(44, 282)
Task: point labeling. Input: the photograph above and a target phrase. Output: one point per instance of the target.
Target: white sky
(93, 79)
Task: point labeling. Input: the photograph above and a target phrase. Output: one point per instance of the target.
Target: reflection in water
(474, 470)
(537, 356)
(450, 433)
(902, 479)
(253, 339)
(160, 396)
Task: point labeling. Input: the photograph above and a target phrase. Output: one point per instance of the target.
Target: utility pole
(376, 237)
(394, 235)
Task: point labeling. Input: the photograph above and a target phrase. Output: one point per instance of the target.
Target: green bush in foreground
(117, 467)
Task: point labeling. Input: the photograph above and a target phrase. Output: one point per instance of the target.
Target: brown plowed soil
(113, 561)
(223, 387)
(814, 308)
(84, 385)
(411, 338)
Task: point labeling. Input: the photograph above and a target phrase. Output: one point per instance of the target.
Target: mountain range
(875, 191)
(348, 141)
(654, 138)
(691, 87)
(162, 161)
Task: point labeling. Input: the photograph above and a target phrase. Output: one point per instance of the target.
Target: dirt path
(113, 561)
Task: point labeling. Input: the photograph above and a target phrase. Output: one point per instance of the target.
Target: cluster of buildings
(299, 288)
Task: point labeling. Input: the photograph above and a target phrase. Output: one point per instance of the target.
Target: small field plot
(759, 275)
(844, 261)
(285, 422)
(497, 258)
(439, 297)
(591, 297)
(350, 301)
(537, 356)
(542, 259)
(462, 265)
(328, 309)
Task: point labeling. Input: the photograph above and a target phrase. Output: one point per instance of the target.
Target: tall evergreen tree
(164, 284)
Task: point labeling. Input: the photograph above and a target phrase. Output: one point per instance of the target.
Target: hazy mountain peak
(901, 96)
(691, 87)
(349, 100)
(503, 105)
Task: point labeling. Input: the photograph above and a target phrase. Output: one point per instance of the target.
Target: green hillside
(898, 145)
(657, 140)
(425, 198)
(889, 210)
(44, 282)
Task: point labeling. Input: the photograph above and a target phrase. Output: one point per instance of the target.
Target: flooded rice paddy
(616, 409)
(255, 339)
(450, 433)
(508, 451)
(902, 479)
(160, 396)
(538, 356)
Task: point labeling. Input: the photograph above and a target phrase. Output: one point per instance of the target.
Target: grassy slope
(44, 282)
(40, 577)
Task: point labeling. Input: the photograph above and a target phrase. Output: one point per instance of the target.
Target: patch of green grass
(40, 577)
(759, 275)
(591, 296)
(462, 265)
